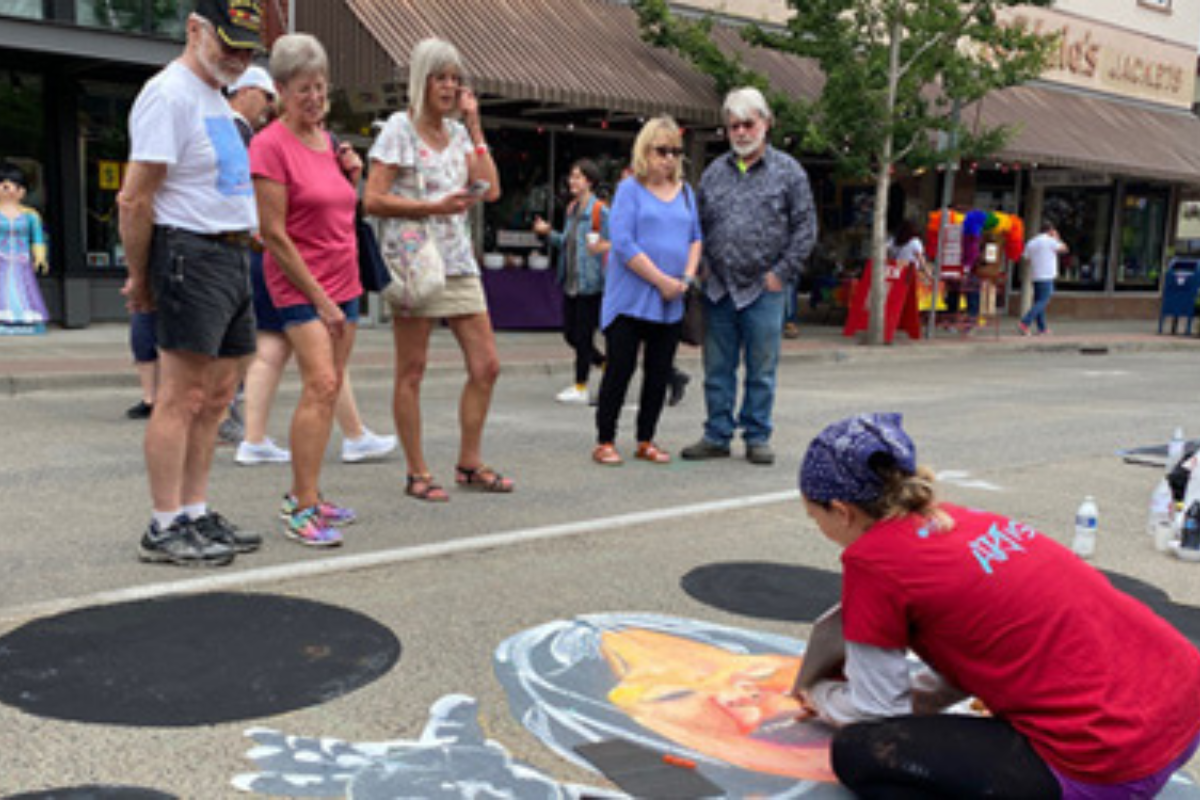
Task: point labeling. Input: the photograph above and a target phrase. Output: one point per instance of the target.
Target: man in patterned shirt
(759, 225)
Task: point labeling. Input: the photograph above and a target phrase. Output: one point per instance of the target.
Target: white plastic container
(1175, 449)
(1160, 507)
(1087, 522)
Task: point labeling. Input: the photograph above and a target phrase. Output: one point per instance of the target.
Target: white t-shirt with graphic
(444, 171)
(181, 121)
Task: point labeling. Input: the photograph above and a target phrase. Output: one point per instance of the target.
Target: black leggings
(581, 318)
(625, 337)
(941, 756)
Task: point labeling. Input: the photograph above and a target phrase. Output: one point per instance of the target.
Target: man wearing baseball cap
(187, 211)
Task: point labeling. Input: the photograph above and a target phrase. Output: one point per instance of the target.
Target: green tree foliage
(894, 71)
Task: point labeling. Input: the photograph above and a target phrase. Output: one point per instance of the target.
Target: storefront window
(1143, 230)
(1083, 217)
(23, 135)
(29, 9)
(103, 112)
(162, 17)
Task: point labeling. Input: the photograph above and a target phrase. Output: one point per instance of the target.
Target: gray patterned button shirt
(755, 222)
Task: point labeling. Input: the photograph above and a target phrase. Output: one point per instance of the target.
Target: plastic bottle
(1161, 502)
(1175, 448)
(1087, 520)
(1190, 536)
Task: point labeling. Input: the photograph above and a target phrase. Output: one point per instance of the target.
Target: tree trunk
(883, 181)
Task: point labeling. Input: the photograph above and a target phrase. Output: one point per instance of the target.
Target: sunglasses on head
(663, 151)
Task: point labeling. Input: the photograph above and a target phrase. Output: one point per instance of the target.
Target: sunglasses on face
(742, 125)
(663, 151)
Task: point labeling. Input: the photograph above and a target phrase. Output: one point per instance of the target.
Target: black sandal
(423, 487)
(484, 479)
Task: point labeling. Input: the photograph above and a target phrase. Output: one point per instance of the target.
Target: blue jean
(1042, 292)
(790, 305)
(751, 335)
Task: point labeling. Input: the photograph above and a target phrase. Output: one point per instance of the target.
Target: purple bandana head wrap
(841, 462)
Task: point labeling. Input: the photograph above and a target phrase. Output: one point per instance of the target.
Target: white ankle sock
(163, 519)
(195, 510)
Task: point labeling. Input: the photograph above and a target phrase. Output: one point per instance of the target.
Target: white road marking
(361, 561)
(962, 478)
(1104, 373)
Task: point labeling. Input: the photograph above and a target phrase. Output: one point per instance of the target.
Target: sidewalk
(98, 356)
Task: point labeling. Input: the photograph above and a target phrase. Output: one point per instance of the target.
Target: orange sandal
(607, 455)
(649, 451)
(484, 479)
(423, 487)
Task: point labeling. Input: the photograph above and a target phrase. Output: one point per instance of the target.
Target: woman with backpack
(582, 246)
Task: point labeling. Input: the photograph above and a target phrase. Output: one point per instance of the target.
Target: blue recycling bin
(1179, 293)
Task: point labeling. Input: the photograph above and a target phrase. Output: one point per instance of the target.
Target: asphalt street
(1026, 434)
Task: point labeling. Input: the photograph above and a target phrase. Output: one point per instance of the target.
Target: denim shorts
(298, 315)
(143, 341)
(266, 316)
(202, 291)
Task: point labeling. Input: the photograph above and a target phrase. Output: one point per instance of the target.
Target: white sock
(195, 510)
(163, 519)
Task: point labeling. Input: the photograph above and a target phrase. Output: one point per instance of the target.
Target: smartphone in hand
(478, 188)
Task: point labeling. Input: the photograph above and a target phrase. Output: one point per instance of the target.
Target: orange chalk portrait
(731, 706)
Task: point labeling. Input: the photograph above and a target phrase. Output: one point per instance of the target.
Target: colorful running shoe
(307, 527)
(334, 514)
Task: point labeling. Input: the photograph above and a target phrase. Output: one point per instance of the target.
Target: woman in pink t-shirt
(1090, 694)
(306, 214)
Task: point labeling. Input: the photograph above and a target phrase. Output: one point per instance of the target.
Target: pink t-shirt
(320, 215)
(1104, 689)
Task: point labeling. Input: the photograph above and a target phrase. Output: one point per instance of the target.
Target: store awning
(1066, 128)
(580, 54)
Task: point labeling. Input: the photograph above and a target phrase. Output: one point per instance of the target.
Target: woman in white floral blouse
(441, 137)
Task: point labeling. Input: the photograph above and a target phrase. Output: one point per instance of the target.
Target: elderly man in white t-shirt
(1042, 251)
(187, 210)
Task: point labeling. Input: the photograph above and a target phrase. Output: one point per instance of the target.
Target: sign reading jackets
(1093, 55)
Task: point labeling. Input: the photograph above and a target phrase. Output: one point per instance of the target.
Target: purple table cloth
(523, 299)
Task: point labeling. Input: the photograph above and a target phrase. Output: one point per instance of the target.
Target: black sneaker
(703, 450)
(679, 382)
(212, 527)
(760, 453)
(182, 545)
(141, 411)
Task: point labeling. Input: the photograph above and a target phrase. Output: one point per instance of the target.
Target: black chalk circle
(94, 793)
(193, 660)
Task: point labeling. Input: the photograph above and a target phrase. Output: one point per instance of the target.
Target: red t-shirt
(320, 215)
(1104, 689)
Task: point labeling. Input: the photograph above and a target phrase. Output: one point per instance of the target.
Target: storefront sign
(1067, 177)
(1104, 58)
(109, 178)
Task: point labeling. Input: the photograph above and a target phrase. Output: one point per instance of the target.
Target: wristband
(482, 149)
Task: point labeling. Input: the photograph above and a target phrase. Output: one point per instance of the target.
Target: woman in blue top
(581, 244)
(656, 244)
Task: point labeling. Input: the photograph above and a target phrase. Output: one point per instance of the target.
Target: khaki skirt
(462, 297)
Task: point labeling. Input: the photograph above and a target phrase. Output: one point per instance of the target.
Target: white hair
(429, 57)
(746, 102)
(297, 54)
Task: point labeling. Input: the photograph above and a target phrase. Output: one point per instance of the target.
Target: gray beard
(746, 149)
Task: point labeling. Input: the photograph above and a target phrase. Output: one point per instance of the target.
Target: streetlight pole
(943, 217)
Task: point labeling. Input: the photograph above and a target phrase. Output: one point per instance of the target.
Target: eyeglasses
(742, 125)
(663, 151)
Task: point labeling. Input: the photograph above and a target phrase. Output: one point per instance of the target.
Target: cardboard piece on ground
(1152, 455)
(641, 771)
(825, 654)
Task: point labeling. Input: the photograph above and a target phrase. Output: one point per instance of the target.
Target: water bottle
(1175, 449)
(1160, 507)
(1087, 519)
(1189, 538)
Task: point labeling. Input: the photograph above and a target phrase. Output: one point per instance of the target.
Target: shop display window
(161, 17)
(1084, 218)
(23, 134)
(27, 9)
(104, 146)
(1143, 232)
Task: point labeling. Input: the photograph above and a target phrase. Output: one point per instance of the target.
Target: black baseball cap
(238, 22)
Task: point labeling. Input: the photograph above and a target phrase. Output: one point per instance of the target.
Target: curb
(378, 366)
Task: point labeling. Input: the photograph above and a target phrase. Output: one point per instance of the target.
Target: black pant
(941, 756)
(625, 336)
(581, 318)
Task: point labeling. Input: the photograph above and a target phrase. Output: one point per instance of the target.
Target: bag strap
(597, 209)
(411, 129)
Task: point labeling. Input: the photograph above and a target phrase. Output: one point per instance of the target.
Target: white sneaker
(573, 395)
(264, 452)
(366, 447)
